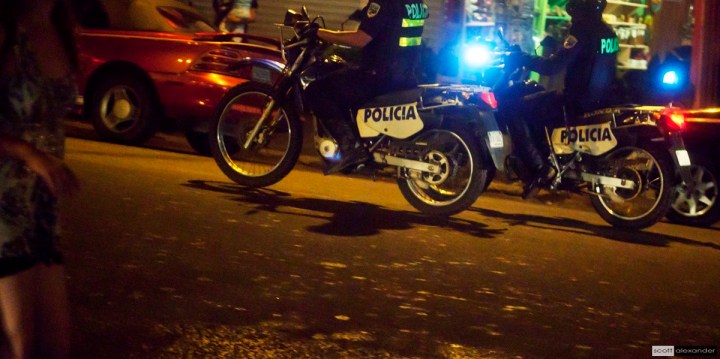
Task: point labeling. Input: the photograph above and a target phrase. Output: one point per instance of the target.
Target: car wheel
(697, 206)
(199, 142)
(124, 109)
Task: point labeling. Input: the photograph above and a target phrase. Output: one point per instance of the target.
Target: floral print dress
(31, 108)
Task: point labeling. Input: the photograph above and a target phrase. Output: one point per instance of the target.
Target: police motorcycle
(423, 136)
(625, 158)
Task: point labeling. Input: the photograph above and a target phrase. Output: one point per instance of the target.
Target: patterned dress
(31, 108)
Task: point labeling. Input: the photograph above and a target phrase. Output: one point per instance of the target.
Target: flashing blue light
(671, 78)
(477, 55)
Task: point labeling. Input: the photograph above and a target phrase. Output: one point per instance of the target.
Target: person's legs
(526, 124)
(523, 137)
(16, 313)
(331, 99)
(52, 319)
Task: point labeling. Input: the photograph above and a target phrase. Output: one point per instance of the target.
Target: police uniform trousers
(332, 97)
(527, 119)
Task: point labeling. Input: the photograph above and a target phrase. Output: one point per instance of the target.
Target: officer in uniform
(589, 56)
(390, 37)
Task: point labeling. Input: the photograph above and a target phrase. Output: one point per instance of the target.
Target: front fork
(281, 89)
(265, 114)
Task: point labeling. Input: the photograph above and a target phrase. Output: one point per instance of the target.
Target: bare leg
(16, 313)
(52, 325)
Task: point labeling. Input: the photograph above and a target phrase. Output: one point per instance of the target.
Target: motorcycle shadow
(603, 231)
(341, 218)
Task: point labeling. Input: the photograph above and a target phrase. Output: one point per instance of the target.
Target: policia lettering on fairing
(586, 135)
(390, 35)
(392, 113)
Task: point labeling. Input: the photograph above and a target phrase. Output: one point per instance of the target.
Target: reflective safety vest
(412, 24)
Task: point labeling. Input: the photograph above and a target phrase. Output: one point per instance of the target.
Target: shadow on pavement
(350, 219)
(355, 218)
(604, 231)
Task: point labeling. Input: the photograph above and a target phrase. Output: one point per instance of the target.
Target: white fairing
(400, 121)
(592, 139)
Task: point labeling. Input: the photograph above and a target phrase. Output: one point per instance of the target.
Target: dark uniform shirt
(396, 28)
(589, 54)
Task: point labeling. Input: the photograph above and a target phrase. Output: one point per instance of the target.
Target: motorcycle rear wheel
(651, 169)
(274, 150)
(460, 181)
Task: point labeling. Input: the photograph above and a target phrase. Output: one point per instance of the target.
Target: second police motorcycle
(445, 142)
(628, 159)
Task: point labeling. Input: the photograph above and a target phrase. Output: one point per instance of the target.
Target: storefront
(647, 28)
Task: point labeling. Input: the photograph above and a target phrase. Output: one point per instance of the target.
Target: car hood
(259, 44)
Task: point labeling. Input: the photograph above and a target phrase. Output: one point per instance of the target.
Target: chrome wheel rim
(452, 156)
(639, 164)
(120, 109)
(697, 201)
(270, 146)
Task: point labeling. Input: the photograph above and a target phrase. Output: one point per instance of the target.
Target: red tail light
(489, 98)
(674, 119)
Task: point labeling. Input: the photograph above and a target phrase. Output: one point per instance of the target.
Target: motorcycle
(424, 135)
(625, 158)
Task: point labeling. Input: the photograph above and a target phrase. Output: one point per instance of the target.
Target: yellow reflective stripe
(413, 23)
(410, 41)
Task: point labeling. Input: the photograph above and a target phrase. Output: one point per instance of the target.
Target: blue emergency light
(477, 55)
(671, 78)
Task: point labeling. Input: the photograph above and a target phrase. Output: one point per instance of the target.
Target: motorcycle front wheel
(651, 170)
(274, 149)
(460, 181)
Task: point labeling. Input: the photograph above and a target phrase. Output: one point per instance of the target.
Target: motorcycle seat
(395, 98)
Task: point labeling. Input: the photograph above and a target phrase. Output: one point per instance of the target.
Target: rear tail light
(489, 98)
(673, 119)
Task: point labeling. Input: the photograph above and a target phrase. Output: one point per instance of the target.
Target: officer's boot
(533, 158)
(352, 153)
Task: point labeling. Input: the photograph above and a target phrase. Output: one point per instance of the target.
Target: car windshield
(184, 21)
(141, 15)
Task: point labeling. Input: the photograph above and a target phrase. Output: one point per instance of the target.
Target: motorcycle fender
(261, 70)
(398, 121)
(681, 159)
(498, 144)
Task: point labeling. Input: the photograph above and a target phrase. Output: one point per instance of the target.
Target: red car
(146, 61)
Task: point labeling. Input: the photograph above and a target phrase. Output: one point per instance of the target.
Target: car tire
(700, 208)
(199, 142)
(124, 109)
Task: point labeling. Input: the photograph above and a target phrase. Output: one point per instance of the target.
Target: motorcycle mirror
(500, 33)
(305, 12)
(292, 18)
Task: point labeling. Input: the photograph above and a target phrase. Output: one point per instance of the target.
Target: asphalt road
(167, 258)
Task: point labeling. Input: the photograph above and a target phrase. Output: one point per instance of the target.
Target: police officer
(389, 35)
(589, 56)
